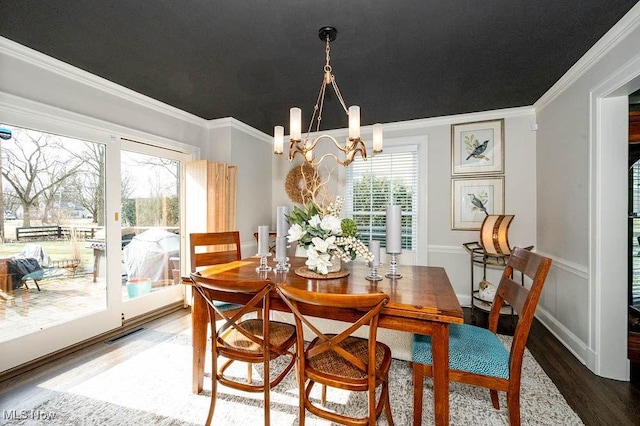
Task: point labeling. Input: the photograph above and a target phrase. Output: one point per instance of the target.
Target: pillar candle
(374, 248)
(281, 248)
(282, 224)
(263, 240)
(394, 229)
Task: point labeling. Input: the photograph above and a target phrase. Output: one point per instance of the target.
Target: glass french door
(89, 238)
(150, 227)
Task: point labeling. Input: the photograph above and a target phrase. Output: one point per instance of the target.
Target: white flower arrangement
(323, 234)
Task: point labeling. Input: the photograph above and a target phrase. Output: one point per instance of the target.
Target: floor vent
(123, 335)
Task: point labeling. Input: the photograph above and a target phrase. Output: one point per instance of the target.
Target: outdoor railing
(54, 231)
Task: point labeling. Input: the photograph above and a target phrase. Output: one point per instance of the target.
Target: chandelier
(352, 146)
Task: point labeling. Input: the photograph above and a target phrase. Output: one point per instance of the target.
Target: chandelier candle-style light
(353, 144)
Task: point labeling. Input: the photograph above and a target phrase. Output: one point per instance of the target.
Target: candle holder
(263, 263)
(373, 273)
(393, 268)
(374, 249)
(282, 265)
(282, 261)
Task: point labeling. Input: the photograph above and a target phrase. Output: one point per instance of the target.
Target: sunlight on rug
(154, 387)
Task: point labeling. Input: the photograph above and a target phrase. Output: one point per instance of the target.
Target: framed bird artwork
(473, 199)
(477, 148)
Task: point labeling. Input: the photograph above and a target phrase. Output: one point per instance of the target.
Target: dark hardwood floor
(597, 401)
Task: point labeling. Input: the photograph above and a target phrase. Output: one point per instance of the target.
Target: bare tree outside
(10, 199)
(89, 185)
(165, 164)
(36, 168)
(153, 199)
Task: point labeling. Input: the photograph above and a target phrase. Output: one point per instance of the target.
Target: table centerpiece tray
(305, 272)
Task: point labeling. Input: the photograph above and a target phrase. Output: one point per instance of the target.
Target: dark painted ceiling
(253, 60)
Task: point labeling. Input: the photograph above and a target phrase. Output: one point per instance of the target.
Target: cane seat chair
(476, 355)
(214, 248)
(340, 360)
(237, 337)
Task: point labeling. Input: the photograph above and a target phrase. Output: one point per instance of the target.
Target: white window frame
(373, 165)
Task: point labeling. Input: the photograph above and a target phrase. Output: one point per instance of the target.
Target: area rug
(154, 388)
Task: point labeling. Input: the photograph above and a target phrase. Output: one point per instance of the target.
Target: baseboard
(576, 346)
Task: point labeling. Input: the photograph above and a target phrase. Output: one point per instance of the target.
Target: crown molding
(628, 23)
(459, 118)
(25, 54)
(33, 57)
(233, 123)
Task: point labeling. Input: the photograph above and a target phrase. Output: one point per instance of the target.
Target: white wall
(581, 196)
(232, 142)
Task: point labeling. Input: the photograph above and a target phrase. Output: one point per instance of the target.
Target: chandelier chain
(335, 88)
(332, 78)
(327, 65)
(317, 109)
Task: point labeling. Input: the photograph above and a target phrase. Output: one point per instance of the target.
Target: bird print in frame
(477, 148)
(477, 203)
(475, 198)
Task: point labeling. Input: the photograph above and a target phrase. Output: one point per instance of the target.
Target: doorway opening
(633, 341)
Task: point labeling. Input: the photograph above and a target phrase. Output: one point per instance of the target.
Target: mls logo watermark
(28, 415)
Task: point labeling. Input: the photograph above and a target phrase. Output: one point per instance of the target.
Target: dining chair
(340, 360)
(237, 338)
(214, 248)
(476, 355)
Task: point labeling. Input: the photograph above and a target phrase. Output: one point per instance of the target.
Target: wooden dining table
(422, 301)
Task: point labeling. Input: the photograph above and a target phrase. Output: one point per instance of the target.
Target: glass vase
(336, 263)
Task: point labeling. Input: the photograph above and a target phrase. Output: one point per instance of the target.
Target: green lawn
(58, 250)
